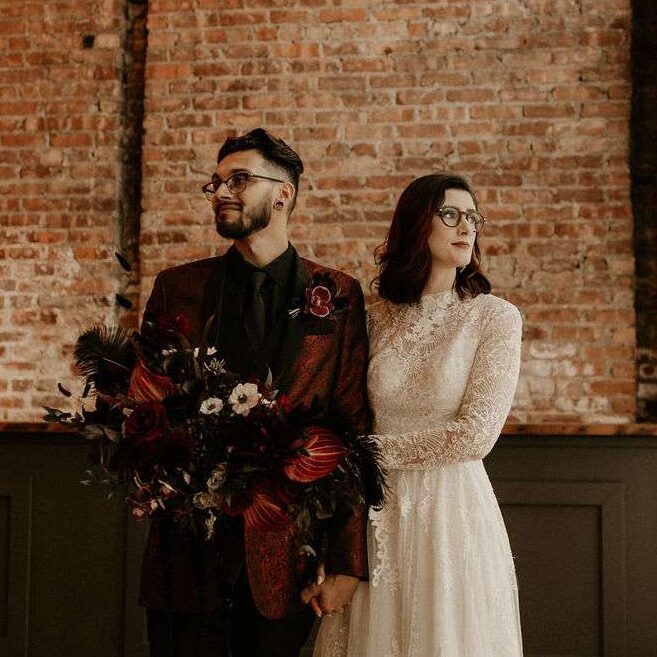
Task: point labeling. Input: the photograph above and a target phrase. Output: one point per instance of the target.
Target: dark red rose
(146, 385)
(284, 403)
(179, 324)
(148, 423)
(319, 301)
(178, 447)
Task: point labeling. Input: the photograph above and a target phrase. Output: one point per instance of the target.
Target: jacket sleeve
(157, 302)
(347, 534)
(484, 407)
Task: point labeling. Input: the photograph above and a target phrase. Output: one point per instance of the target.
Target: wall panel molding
(603, 541)
(16, 518)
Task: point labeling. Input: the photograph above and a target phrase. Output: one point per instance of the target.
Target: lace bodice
(442, 377)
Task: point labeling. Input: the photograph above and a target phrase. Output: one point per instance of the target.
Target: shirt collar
(278, 269)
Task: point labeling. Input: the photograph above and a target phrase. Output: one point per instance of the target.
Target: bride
(444, 359)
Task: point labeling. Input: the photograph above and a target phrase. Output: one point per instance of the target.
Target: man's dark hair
(273, 150)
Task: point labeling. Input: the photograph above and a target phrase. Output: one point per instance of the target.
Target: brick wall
(531, 99)
(58, 164)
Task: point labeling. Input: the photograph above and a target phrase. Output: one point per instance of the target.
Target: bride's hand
(331, 595)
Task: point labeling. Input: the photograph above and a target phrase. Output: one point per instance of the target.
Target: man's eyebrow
(231, 172)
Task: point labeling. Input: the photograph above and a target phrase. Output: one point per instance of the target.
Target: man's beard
(244, 226)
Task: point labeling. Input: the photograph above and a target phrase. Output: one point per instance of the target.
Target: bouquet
(192, 440)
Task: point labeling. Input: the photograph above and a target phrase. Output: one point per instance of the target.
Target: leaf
(123, 301)
(93, 432)
(63, 390)
(111, 434)
(55, 415)
(123, 261)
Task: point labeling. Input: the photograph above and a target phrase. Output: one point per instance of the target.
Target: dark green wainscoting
(69, 558)
(580, 505)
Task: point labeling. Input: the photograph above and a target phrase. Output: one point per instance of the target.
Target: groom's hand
(331, 595)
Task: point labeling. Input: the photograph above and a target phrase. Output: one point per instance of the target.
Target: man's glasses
(452, 217)
(235, 183)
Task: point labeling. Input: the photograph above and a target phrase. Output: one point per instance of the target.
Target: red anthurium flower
(265, 513)
(323, 451)
(147, 386)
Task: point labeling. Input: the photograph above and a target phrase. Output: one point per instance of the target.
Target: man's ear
(286, 192)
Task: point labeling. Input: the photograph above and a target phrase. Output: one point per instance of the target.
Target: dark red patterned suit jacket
(185, 573)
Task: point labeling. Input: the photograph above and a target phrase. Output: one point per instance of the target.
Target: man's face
(238, 215)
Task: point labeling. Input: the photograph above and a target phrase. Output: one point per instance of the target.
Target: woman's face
(452, 247)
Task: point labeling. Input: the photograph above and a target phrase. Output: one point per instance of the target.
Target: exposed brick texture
(58, 164)
(529, 98)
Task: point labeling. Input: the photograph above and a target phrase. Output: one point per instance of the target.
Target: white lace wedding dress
(442, 377)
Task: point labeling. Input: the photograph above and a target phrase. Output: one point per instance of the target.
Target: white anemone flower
(210, 352)
(244, 397)
(211, 405)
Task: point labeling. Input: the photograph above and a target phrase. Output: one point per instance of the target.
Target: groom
(239, 593)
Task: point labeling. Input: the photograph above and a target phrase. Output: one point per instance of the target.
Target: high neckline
(438, 300)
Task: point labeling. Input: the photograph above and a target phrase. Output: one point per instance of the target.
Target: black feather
(106, 356)
(373, 475)
(63, 390)
(123, 301)
(123, 261)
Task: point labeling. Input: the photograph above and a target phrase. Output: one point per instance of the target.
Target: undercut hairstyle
(275, 151)
(404, 258)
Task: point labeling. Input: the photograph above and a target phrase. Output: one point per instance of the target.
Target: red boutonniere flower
(320, 298)
(319, 301)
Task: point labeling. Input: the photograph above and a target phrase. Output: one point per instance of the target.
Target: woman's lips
(462, 245)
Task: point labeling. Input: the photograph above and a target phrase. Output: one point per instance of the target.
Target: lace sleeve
(483, 410)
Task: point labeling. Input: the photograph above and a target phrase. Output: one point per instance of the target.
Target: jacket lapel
(213, 297)
(282, 346)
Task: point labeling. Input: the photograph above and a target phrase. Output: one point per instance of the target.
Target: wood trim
(15, 620)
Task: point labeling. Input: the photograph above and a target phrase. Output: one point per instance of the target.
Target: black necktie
(254, 317)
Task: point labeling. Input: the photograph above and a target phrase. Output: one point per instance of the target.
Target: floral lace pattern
(450, 366)
(441, 381)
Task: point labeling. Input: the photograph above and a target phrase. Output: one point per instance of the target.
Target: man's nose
(223, 191)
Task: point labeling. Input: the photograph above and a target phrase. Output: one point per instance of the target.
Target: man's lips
(228, 206)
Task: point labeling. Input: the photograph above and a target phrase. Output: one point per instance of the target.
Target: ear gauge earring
(279, 205)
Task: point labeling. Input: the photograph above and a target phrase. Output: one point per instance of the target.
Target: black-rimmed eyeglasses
(235, 183)
(452, 217)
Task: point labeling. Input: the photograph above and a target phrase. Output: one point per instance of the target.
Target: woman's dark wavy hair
(404, 258)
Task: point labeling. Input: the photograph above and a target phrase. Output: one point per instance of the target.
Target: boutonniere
(320, 300)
